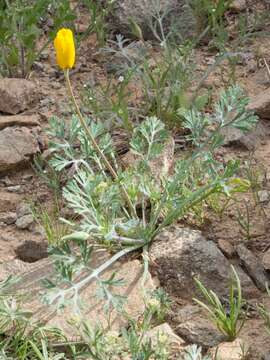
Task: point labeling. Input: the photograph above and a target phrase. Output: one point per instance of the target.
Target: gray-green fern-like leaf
(149, 138)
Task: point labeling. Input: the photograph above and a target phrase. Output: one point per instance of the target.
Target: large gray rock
(179, 254)
(143, 12)
(16, 95)
(17, 146)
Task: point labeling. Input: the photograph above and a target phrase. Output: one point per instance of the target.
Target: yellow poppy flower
(65, 49)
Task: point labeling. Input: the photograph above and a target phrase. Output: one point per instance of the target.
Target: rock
(227, 248)
(27, 178)
(23, 209)
(44, 55)
(249, 140)
(13, 267)
(38, 66)
(186, 313)
(25, 217)
(143, 13)
(179, 254)
(238, 6)
(256, 338)
(260, 104)
(56, 85)
(19, 120)
(266, 260)
(6, 181)
(174, 342)
(8, 201)
(230, 350)
(32, 251)
(253, 266)
(39, 231)
(17, 146)
(25, 222)
(8, 218)
(196, 328)
(15, 189)
(47, 102)
(16, 95)
(264, 196)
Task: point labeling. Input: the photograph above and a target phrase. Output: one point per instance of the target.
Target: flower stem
(95, 144)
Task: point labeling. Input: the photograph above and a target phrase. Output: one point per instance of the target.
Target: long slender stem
(95, 144)
(102, 268)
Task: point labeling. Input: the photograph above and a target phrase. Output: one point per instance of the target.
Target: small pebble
(15, 189)
(25, 222)
(8, 218)
(264, 196)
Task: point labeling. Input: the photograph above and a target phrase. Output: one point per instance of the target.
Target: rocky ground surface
(179, 252)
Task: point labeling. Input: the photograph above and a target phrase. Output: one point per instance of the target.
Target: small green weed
(194, 352)
(50, 221)
(244, 220)
(98, 24)
(265, 313)
(228, 321)
(209, 15)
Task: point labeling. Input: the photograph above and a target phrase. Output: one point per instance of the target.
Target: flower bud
(65, 49)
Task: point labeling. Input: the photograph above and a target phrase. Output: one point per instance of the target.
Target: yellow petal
(65, 49)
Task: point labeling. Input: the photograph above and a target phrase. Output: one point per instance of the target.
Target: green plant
(20, 29)
(50, 221)
(133, 341)
(194, 352)
(265, 313)
(48, 174)
(256, 175)
(166, 84)
(98, 14)
(130, 222)
(228, 321)
(219, 203)
(209, 15)
(22, 338)
(112, 103)
(244, 220)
